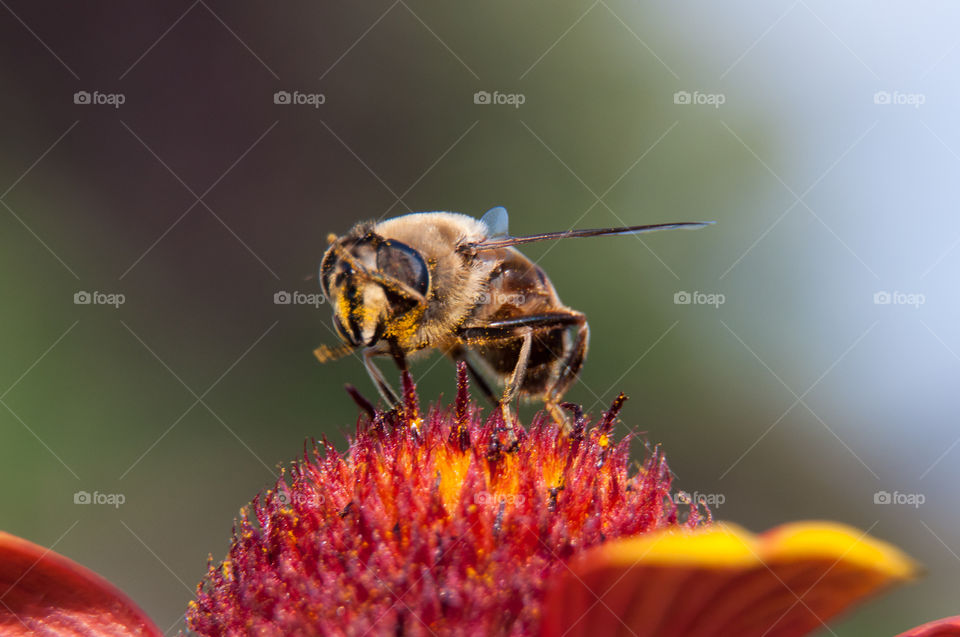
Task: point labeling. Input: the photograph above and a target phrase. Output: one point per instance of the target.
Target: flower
(449, 523)
(455, 524)
(946, 627)
(459, 525)
(44, 593)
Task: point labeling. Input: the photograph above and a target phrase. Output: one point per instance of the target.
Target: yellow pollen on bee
(403, 327)
(603, 440)
(343, 306)
(363, 313)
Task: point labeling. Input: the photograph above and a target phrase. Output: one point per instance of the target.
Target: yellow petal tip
(730, 545)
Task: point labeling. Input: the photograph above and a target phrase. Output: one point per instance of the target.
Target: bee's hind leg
(525, 327)
(569, 371)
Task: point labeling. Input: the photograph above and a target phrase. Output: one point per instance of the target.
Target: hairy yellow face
(369, 282)
(359, 310)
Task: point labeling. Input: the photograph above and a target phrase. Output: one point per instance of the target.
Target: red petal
(721, 580)
(946, 627)
(44, 593)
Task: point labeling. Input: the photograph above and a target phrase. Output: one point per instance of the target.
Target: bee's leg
(571, 365)
(569, 370)
(458, 354)
(398, 357)
(515, 381)
(572, 358)
(513, 327)
(383, 387)
(527, 326)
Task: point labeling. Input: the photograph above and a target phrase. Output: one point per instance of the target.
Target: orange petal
(42, 592)
(946, 627)
(721, 580)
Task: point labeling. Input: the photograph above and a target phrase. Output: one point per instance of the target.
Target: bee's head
(371, 282)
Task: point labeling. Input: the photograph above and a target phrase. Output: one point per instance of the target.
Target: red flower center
(451, 523)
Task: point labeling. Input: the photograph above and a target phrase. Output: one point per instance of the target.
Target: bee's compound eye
(403, 263)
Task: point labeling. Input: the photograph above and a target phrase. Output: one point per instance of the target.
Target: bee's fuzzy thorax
(454, 290)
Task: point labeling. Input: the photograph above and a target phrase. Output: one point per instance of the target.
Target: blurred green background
(823, 139)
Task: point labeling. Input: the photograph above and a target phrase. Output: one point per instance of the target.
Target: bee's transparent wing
(496, 221)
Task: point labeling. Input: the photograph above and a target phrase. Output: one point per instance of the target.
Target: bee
(447, 281)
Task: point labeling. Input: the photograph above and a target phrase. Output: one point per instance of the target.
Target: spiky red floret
(449, 525)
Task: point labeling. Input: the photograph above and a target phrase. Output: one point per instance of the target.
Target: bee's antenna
(325, 353)
(505, 242)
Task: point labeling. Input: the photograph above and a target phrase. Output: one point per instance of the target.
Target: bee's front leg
(383, 387)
